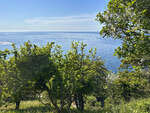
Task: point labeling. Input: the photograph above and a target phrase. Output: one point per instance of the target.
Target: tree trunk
(79, 101)
(70, 102)
(76, 101)
(101, 100)
(55, 105)
(17, 105)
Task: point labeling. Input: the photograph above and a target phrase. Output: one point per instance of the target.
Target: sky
(50, 15)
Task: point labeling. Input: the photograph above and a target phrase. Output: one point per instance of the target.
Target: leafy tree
(86, 71)
(100, 81)
(131, 85)
(3, 83)
(76, 77)
(129, 20)
(79, 71)
(10, 80)
(33, 68)
(58, 93)
(26, 71)
(35, 64)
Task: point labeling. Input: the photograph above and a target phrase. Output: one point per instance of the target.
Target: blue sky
(50, 15)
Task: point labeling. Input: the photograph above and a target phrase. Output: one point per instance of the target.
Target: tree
(86, 72)
(25, 71)
(35, 64)
(33, 69)
(129, 20)
(131, 85)
(79, 70)
(100, 81)
(76, 76)
(10, 80)
(58, 93)
(3, 79)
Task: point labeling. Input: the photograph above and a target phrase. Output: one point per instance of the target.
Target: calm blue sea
(105, 47)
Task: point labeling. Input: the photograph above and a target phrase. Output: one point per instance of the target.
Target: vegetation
(128, 20)
(135, 106)
(66, 78)
(77, 81)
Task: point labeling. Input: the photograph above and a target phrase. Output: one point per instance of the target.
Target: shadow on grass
(37, 109)
(46, 109)
(43, 109)
(86, 111)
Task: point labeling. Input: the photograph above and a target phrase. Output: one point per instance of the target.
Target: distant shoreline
(49, 31)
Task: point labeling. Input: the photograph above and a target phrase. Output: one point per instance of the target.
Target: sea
(105, 46)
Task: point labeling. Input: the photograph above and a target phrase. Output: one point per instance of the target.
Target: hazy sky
(50, 15)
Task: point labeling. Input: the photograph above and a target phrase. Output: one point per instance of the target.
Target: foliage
(3, 82)
(27, 70)
(134, 106)
(76, 78)
(35, 64)
(31, 70)
(128, 20)
(129, 85)
(92, 103)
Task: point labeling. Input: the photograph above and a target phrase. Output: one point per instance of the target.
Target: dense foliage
(30, 70)
(129, 21)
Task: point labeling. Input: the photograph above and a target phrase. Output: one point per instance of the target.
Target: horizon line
(45, 31)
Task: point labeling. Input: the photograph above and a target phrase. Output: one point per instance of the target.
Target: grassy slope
(136, 106)
(26, 107)
(34, 107)
(140, 106)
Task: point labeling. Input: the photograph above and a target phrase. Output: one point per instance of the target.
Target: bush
(91, 103)
(135, 106)
(129, 85)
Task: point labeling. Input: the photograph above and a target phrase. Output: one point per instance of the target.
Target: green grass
(135, 106)
(26, 107)
(35, 107)
(140, 106)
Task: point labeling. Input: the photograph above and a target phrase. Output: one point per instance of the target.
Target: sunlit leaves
(129, 21)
